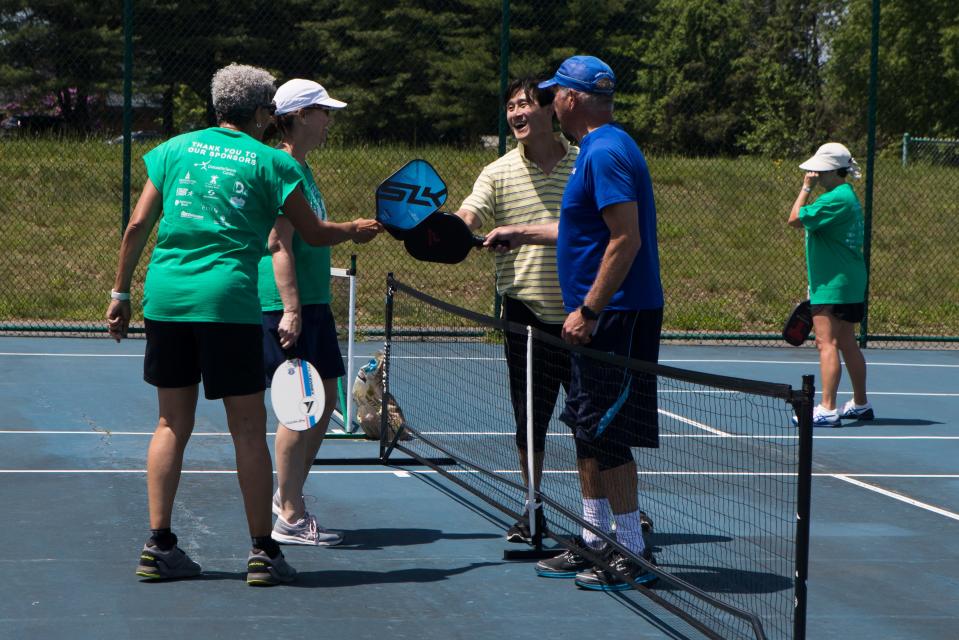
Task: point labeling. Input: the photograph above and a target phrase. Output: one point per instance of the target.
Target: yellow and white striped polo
(513, 190)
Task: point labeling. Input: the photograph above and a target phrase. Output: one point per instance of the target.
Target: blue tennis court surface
(421, 558)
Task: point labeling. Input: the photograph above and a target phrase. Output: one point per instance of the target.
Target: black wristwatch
(587, 313)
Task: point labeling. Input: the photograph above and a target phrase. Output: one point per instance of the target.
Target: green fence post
(127, 108)
(870, 164)
(503, 84)
(905, 149)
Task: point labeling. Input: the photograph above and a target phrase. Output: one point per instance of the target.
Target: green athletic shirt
(834, 237)
(221, 193)
(514, 190)
(312, 263)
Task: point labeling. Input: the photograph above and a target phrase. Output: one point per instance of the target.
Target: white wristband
(807, 189)
(117, 295)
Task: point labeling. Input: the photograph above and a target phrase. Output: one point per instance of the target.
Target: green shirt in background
(221, 193)
(834, 238)
(312, 263)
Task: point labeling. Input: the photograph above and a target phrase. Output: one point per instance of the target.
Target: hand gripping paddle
(296, 393)
(799, 324)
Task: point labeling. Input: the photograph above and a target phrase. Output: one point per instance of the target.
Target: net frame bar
(347, 423)
(801, 401)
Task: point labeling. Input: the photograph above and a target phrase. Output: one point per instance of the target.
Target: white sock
(629, 531)
(596, 512)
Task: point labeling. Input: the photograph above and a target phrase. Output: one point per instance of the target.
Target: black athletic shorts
(607, 403)
(317, 343)
(852, 312)
(228, 357)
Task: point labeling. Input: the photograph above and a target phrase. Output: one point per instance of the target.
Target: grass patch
(729, 263)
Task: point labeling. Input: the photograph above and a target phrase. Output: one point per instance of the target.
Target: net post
(530, 455)
(536, 517)
(127, 111)
(388, 335)
(803, 406)
(905, 149)
(348, 425)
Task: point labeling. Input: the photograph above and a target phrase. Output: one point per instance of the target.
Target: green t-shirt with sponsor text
(834, 238)
(222, 191)
(312, 263)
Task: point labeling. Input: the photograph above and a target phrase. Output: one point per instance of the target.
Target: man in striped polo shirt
(525, 187)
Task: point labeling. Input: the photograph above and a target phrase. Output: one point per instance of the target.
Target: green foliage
(697, 77)
(919, 75)
(58, 55)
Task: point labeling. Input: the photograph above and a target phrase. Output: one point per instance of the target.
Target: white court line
(897, 496)
(405, 473)
(693, 423)
(816, 363)
(74, 355)
(505, 434)
(400, 473)
(672, 360)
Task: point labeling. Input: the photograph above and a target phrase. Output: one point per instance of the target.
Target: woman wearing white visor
(837, 277)
(294, 288)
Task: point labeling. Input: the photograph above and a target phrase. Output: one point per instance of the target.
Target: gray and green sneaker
(264, 571)
(156, 564)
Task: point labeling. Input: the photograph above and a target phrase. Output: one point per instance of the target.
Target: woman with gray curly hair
(216, 194)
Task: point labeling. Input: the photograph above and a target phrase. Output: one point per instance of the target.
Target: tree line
(696, 77)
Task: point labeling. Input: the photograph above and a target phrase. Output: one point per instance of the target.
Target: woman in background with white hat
(837, 277)
(294, 288)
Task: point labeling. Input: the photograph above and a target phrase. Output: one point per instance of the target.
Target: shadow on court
(721, 580)
(375, 539)
(887, 422)
(359, 578)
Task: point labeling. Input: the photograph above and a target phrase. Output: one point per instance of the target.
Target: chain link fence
(423, 79)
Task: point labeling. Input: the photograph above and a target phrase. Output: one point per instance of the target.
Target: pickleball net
(723, 487)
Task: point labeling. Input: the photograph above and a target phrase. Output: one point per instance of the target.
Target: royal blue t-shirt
(610, 170)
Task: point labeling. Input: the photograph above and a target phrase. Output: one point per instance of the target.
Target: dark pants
(550, 372)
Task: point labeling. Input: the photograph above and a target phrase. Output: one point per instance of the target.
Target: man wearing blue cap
(608, 266)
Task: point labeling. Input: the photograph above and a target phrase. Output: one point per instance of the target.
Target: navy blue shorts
(228, 357)
(317, 343)
(610, 404)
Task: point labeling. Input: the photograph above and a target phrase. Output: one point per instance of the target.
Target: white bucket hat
(299, 93)
(832, 156)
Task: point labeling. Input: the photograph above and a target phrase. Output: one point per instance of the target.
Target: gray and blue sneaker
(852, 411)
(264, 571)
(624, 573)
(156, 564)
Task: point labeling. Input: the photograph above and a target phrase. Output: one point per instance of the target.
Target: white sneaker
(853, 411)
(823, 417)
(305, 531)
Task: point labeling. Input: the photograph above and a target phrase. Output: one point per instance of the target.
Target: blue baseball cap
(588, 74)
